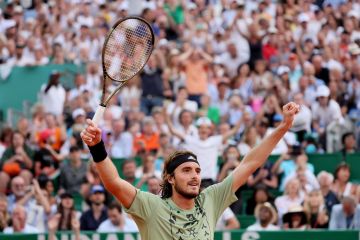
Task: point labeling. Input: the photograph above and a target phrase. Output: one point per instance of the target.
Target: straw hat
(268, 206)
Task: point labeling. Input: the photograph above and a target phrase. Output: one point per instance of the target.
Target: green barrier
(24, 83)
(234, 235)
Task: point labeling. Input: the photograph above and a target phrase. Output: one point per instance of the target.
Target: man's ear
(171, 179)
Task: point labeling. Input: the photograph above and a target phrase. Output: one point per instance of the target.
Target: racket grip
(98, 114)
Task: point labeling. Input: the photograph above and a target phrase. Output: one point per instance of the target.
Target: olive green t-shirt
(161, 219)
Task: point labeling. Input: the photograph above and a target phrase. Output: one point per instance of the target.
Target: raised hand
(289, 112)
(91, 135)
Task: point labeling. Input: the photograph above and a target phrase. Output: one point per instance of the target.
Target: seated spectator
(153, 184)
(342, 186)
(345, 215)
(18, 194)
(295, 218)
(128, 169)
(249, 140)
(4, 215)
(292, 196)
(227, 221)
(307, 179)
(315, 209)
(73, 173)
(266, 217)
(117, 221)
(325, 180)
(92, 218)
(260, 195)
(349, 143)
(16, 160)
(121, 141)
(19, 225)
(148, 166)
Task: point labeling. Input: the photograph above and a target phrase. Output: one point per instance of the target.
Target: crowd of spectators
(215, 84)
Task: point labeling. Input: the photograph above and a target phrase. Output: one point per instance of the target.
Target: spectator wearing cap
(117, 220)
(92, 218)
(121, 141)
(52, 95)
(79, 121)
(17, 160)
(205, 146)
(325, 111)
(345, 215)
(73, 173)
(266, 217)
(295, 218)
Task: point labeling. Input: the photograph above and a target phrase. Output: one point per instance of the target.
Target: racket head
(127, 48)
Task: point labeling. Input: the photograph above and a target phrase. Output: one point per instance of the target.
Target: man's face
(204, 131)
(18, 187)
(97, 198)
(265, 215)
(153, 185)
(19, 215)
(348, 208)
(129, 170)
(186, 180)
(115, 216)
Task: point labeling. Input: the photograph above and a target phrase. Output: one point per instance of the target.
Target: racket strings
(127, 49)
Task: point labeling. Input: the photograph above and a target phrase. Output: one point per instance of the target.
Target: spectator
(16, 160)
(121, 141)
(307, 179)
(266, 217)
(129, 169)
(325, 181)
(154, 185)
(315, 209)
(53, 95)
(349, 143)
(302, 121)
(19, 225)
(73, 174)
(117, 221)
(148, 140)
(345, 215)
(92, 218)
(295, 218)
(249, 140)
(4, 215)
(260, 195)
(227, 221)
(342, 186)
(18, 193)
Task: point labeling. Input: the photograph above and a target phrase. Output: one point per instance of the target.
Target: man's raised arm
(259, 154)
(118, 187)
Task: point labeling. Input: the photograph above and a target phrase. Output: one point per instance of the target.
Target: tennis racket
(126, 50)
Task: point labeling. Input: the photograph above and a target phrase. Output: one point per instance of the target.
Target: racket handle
(98, 114)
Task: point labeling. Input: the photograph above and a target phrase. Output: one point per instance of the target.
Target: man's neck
(264, 224)
(97, 208)
(181, 202)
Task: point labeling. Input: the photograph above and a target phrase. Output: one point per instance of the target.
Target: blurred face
(265, 214)
(323, 101)
(232, 153)
(293, 187)
(97, 198)
(75, 156)
(296, 220)
(129, 170)
(261, 196)
(348, 208)
(148, 128)
(349, 142)
(67, 202)
(186, 118)
(153, 185)
(115, 216)
(18, 186)
(18, 140)
(204, 131)
(118, 126)
(315, 199)
(343, 174)
(298, 99)
(324, 182)
(20, 214)
(186, 180)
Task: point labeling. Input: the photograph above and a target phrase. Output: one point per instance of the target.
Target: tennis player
(182, 211)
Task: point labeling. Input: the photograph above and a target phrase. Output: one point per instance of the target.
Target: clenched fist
(91, 135)
(289, 112)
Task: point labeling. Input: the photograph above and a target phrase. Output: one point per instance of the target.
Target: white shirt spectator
(54, 99)
(121, 147)
(225, 216)
(257, 227)
(107, 226)
(27, 229)
(281, 147)
(207, 152)
(328, 114)
(302, 120)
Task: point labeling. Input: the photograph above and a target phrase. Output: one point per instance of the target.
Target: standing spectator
(52, 95)
(345, 215)
(266, 217)
(302, 121)
(117, 221)
(92, 218)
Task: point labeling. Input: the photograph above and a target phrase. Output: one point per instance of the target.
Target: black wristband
(98, 152)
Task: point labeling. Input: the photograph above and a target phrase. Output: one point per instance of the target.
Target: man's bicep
(123, 191)
(241, 175)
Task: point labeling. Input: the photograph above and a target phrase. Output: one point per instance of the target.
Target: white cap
(124, 6)
(18, 9)
(78, 112)
(272, 30)
(322, 91)
(163, 42)
(8, 23)
(303, 17)
(203, 121)
(283, 69)
(354, 49)
(240, 2)
(191, 6)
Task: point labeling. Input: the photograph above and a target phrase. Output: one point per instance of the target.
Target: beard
(187, 195)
